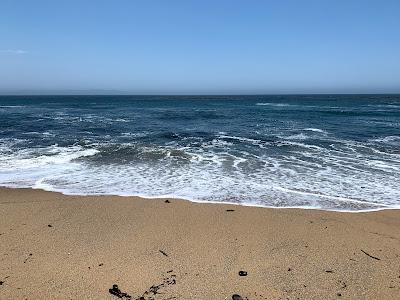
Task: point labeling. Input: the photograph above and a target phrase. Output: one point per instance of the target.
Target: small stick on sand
(369, 255)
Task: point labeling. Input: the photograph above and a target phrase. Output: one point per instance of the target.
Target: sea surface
(333, 152)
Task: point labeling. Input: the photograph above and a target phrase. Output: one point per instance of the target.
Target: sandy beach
(54, 246)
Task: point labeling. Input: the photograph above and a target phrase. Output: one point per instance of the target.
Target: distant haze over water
(334, 152)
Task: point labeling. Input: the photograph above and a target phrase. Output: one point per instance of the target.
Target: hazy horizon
(200, 48)
(127, 93)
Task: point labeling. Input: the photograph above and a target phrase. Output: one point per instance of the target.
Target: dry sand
(54, 246)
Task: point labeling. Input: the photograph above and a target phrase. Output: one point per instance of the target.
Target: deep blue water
(339, 152)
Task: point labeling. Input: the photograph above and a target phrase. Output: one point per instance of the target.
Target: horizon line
(239, 94)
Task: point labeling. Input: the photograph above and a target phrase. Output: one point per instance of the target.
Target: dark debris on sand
(151, 292)
(117, 292)
(155, 289)
(26, 259)
(163, 253)
(373, 257)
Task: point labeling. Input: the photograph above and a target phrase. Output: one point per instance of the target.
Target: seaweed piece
(117, 292)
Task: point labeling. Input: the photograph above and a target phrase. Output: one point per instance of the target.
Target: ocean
(331, 152)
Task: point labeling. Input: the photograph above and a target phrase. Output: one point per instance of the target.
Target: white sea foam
(391, 140)
(12, 106)
(331, 181)
(303, 145)
(242, 139)
(38, 157)
(299, 136)
(217, 143)
(314, 130)
(273, 104)
(135, 134)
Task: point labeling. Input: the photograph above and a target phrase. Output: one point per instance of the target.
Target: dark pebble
(167, 201)
(49, 225)
(100, 264)
(242, 273)
(236, 297)
(1, 282)
(230, 210)
(339, 294)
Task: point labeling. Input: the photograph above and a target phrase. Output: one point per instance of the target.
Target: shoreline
(63, 246)
(212, 201)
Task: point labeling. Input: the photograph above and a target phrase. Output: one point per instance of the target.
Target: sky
(199, 47)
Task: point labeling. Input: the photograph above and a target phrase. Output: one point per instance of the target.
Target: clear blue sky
(191, 47)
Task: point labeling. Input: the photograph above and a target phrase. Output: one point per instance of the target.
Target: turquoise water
(313, 151)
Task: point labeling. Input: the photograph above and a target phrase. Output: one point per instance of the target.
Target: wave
(274, 104)
(38, 157)
(391, 140)
(7, 144)
(12, 106)
(315, 130)
(336, 198)
(217, 143)
(242, 139)
(300, 136)
(298, 144)
(128, 153)
(211, 173)
(395, 106)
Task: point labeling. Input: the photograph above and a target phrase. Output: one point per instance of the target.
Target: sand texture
(54, 246)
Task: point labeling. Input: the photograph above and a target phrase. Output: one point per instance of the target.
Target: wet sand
(54, 246)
